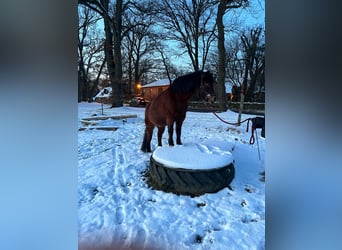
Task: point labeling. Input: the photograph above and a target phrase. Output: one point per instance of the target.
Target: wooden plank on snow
(115, 117)
(99, 128)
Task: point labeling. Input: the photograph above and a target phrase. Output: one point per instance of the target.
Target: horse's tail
(145, 146)
(144, 143)
(147, 108)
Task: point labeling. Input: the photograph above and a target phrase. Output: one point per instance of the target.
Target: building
(104, 96)
(153, 89)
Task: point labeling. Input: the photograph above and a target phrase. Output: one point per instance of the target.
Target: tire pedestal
(192, 169)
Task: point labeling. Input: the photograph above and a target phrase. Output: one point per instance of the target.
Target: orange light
(139, 86)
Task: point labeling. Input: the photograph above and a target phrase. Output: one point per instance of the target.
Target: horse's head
(207, 87)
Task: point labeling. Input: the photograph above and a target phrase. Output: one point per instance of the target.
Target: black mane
(187, 83)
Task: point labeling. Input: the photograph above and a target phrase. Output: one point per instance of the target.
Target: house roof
(102, 94)
(166, 82)
(161, 82)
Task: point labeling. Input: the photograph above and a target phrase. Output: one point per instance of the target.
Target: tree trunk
(131, 87)
(96, 83)
(164, 60)
(242, 93)
(117, 83)
(221, 57)
(82, 76)
(114, 64)
(136, 70)
(108, 47)
(80, 87)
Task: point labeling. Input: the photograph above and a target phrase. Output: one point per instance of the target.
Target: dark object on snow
(259, 122)
(199, 238)
(193, 182)
(170, 106)
(137, 101)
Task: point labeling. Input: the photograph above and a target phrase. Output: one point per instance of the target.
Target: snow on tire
(170, 173)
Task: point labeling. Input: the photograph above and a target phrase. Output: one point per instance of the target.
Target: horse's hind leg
(146, 145)
(160, 135)
(179, 132)
(170, 130)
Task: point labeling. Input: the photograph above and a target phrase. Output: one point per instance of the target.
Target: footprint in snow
(250, 189)
(141, 236)
(120, 215)
(119, 155)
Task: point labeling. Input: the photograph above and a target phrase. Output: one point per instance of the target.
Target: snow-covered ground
(117, 208)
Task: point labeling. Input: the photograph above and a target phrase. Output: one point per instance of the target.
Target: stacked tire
(184, 181)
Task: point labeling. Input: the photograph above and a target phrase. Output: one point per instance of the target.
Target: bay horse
(170, 106)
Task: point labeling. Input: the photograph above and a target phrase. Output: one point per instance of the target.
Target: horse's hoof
(146, 150)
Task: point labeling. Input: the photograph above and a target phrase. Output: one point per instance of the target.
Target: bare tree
(133, 35)
(234, 64)
(223, 7)
(138, 43)
(166, 62)
(246, 63)
(90, 47)
(94, 87)
(112, 18)
(254, 49)
(190, 23)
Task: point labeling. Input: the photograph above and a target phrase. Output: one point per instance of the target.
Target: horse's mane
(186, 83)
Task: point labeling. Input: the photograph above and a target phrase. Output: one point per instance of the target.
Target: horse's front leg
(170, 130)
(160, 135)
(179, 131)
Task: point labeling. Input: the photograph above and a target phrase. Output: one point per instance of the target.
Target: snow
(193, 156)
(117, 208)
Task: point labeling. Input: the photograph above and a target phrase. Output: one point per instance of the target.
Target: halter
(207, 96)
